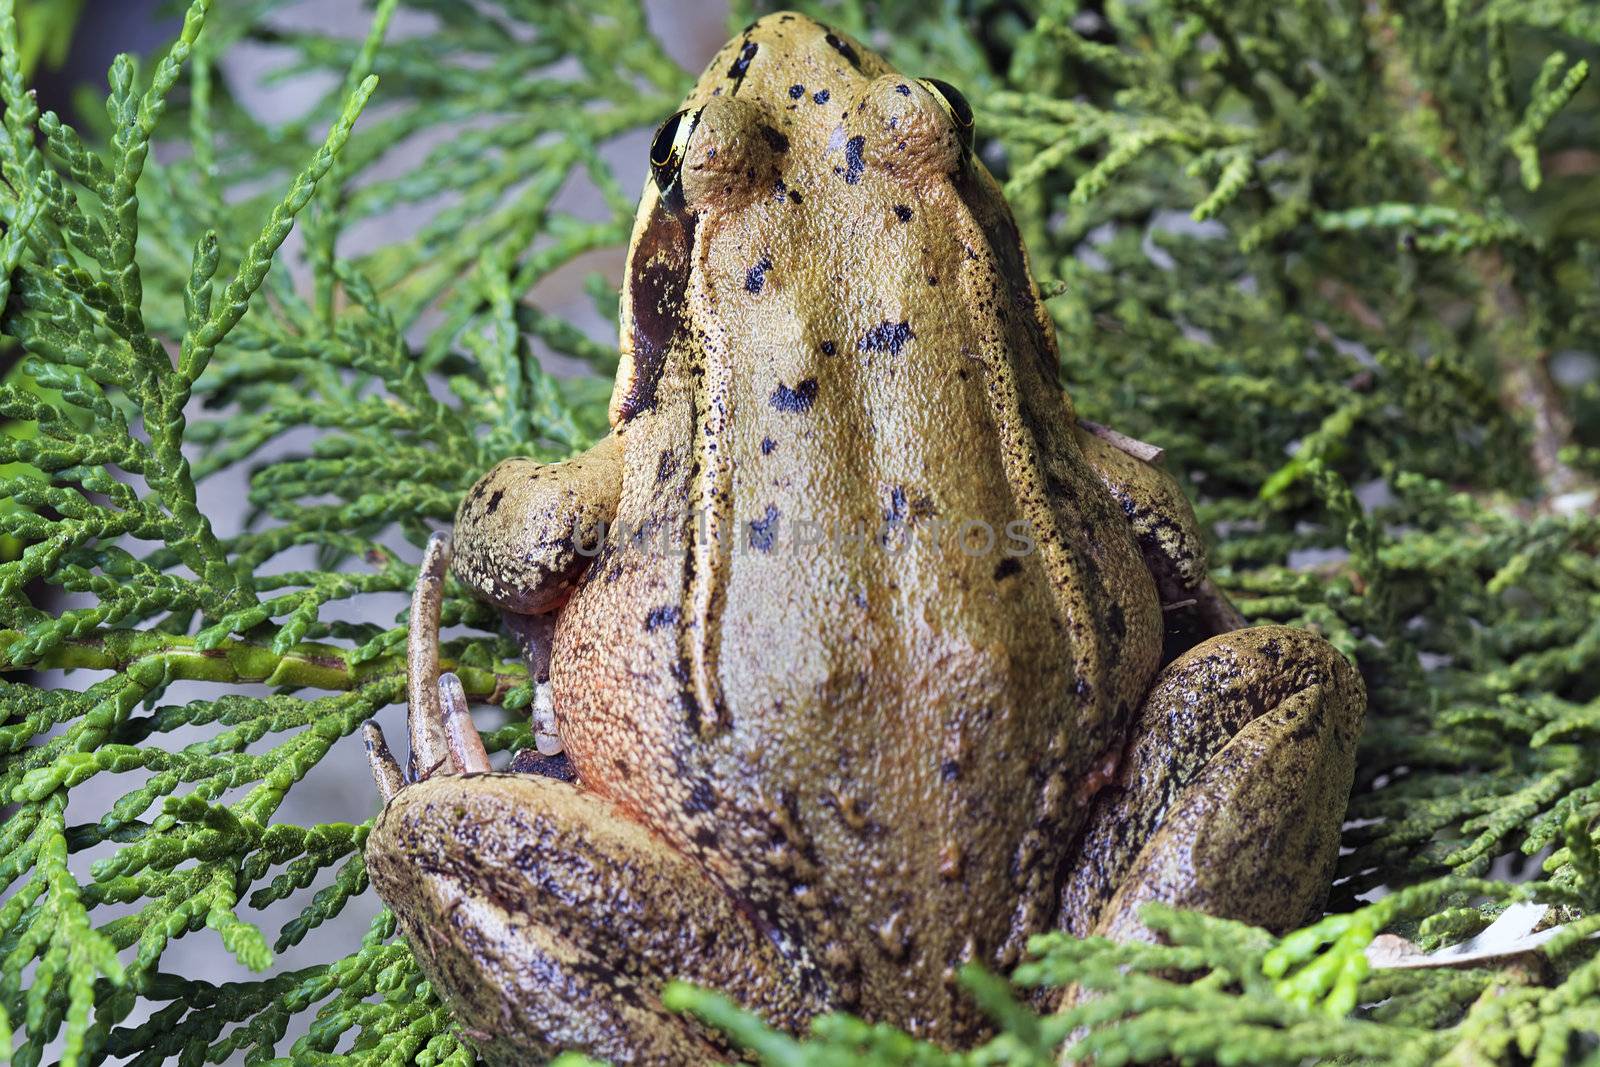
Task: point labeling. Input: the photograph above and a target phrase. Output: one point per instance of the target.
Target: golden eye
(667, 150)
(955, 105)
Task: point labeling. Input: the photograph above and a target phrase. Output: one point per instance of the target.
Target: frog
(849, 637)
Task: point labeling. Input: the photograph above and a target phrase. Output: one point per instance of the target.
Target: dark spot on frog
(775, 139)
(764, 531)
(705, 837)
(887, 337)
(756, 276)
(794, 196)
(701, 799)
(820, 96)
(903, 89)
(796, 401)
(844, 49)
(665, 615)
(531, 761)
(796, 91)
(902, 213)
(666, 464)
(1058, 487)
(742, 64)
(1116, 625)
(1307, 726)
(767, 445)
(827, 348)
(494, 501)
(1006, 568)
(933, 279)
(854, 163)
(896, 511)
(949, 770)
(686, 698)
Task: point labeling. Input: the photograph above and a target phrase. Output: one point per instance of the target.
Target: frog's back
(883, 625)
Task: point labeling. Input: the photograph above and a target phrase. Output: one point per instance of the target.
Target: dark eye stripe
(660, 265)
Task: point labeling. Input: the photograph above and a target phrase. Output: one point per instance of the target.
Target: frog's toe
(460, 734)
(438, 718)
(430, 750)
(386, 772)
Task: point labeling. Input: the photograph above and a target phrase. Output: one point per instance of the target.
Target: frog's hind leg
(1231, 792)
(549, 920)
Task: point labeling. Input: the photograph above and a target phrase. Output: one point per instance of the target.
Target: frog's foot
(549, 920)
(1231, 792)
(443, 738)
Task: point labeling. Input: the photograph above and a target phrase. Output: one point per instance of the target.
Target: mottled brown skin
(824, 778)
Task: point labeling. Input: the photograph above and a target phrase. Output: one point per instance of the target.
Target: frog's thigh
(550, 922)
(1232, 790)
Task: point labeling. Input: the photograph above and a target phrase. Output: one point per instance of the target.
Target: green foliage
(1326, 254)
(44, 31)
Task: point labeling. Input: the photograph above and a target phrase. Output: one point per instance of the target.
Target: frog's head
(807, 183)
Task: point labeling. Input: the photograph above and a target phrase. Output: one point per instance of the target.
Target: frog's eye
(955, 105)
(667, 150)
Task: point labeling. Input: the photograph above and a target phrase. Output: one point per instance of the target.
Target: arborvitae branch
(1323, 255)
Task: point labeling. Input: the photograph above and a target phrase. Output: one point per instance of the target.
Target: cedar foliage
(1339, 258)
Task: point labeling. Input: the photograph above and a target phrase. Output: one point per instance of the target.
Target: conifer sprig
(1329, 256)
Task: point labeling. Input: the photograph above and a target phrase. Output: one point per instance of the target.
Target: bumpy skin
(558, 516)
(826, 777)
(1221, 804)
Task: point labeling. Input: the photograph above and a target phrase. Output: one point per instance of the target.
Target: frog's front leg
(524, 535)
(546, 917)
(1163, 524)
(1231, 792)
